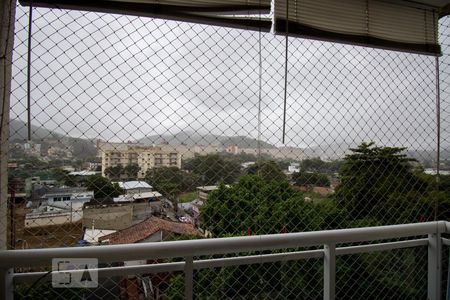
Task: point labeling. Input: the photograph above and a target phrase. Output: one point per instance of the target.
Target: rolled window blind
(395, 25)
(230, 13)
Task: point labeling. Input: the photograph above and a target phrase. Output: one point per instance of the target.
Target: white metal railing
(188, 249)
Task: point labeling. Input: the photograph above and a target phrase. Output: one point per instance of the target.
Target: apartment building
(146, 157)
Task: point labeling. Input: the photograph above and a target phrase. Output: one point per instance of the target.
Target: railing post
(434, 266)
(329, 272)
(189, 278)
(6, 281)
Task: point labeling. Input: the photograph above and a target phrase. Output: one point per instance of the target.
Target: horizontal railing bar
(111, 253)
(179, 266)
(230, 261)
(447, 227)
(381, 247)
(107, 271)
(446, 242)
(257, 259)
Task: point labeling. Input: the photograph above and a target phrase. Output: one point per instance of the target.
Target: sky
(121, 78)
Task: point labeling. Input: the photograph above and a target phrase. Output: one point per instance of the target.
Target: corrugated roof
(127, 185)
(144, 195)
(146, 228)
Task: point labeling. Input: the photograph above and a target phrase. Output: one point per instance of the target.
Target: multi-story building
(146, 157)
(155, 157)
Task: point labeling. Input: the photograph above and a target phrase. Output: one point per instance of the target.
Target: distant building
(204, 191)
(103, 146)
(434, 172)
(32, 148)
(146, 157)
(233, 149)
(247, 164)
(94, 166)
(59, 206)
(46, 215)
(83, 173)
(294, 168)
(127, 210)
(137, 186)
(67, 198)
(281, 152)
(139, 197)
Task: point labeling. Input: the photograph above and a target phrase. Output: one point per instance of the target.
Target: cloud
(122, 78)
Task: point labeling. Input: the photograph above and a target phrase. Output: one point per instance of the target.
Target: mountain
(81, 148)
(189, 138)
(18, 132)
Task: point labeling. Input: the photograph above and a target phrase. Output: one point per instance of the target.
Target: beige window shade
(396, 25)
(233, 13)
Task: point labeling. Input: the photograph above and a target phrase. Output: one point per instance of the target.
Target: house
(232, 149)
(91, 235)
(135, 186)
(153, 229)
(139, 197)
(204, 191)
(126, 211)
(59, 206)
(294, 168)
(67, 197)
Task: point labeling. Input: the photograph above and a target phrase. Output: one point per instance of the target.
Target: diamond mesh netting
(147, 130)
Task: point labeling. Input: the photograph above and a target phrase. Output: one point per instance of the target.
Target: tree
(313, 179)
(114, 172)
(255, 204)
(316, 165)
(268, 170)
(131, 171)
(103, 187)
(171, 181)
(213, 168)
(375, 180)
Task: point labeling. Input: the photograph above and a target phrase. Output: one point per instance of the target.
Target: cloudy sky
(122, 78)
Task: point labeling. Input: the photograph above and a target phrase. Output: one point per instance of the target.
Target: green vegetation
(319, 166)
(187, 197)
(311, 179)
(378, 186)
(102, 187)
(213, 168)
(267, 170)
(119, 172)
(379, 183)
(171, 181)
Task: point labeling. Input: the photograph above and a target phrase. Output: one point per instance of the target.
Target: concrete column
(7, 19)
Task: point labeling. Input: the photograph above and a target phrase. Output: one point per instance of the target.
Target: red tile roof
(146, 228)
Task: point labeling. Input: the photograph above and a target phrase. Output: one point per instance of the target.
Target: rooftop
(137, 184)
(146, 228)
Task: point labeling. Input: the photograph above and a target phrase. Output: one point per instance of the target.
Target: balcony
(324, 246)
(272, 122)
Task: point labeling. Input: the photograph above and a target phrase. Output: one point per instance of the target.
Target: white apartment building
(146, 157)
